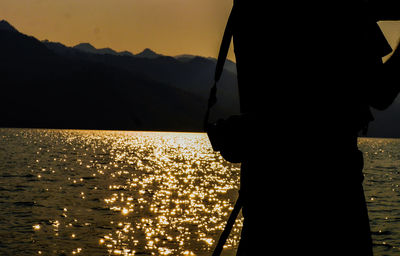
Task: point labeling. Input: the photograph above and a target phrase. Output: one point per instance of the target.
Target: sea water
(84, 192)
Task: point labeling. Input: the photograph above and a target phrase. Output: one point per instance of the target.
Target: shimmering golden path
(166, 193)
(69, 192)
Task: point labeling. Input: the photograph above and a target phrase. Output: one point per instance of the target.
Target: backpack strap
(223, 52)
(228, 227)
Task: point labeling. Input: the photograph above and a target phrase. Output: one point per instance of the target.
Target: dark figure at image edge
(308, 74)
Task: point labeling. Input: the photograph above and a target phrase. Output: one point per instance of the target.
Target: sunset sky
(169, 27)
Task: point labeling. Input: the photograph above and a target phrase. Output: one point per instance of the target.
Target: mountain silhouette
(193, 75)
(87, 47)
(229, 65)
(149, 54)
(47, 84)
(4, 25)
(387, 123)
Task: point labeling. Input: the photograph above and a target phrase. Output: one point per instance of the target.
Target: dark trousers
(291, 210)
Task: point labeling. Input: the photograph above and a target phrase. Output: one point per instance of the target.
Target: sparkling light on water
(68, 192)
(120, 193)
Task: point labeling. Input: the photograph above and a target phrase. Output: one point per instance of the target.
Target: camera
(215, 134)
(226, 136)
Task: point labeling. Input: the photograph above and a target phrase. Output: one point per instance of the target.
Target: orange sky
(169, 27)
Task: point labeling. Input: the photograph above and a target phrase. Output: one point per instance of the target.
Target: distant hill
(193, 74)
(86, 47)
(4, 25)
(149, 54)
(47, 84)
(387, 122)
(229, 65)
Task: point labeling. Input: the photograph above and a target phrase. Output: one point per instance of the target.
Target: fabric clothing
(308, 87)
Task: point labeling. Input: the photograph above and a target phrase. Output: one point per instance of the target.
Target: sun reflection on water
(69, 192)
(174, 198)
(129, 193)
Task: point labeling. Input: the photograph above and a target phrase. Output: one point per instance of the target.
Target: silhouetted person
(308, 73)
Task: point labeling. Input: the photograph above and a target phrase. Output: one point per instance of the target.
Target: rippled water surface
(71, 192)
(381, 184)
(65, 192)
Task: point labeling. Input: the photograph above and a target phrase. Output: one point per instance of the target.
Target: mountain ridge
(4, 25)
(145, 53)
(50, 85)
(193, 74)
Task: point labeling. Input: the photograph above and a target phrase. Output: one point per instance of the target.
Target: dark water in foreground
(68, 192)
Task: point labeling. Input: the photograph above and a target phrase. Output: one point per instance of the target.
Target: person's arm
(385, 9)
